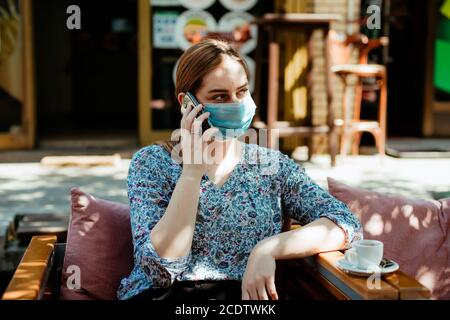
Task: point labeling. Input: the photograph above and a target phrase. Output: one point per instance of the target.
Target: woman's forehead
(229, 72)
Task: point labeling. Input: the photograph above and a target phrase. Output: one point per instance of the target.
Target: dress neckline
(236, 172)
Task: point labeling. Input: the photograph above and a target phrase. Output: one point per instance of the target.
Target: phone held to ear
(189, 99)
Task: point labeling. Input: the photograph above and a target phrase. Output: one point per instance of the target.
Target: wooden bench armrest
(396, 285)
(29, 280)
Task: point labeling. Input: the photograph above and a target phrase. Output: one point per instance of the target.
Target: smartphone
(189, 99)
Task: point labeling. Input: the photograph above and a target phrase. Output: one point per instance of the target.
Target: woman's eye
(243, 91)
(219, 97)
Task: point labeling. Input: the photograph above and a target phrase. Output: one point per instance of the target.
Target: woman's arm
(162, 219)
(307, 202)
(318, 236)
(149, 192)
(172, 235)
(328, 225)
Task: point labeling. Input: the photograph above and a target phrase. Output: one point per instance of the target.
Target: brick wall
(293, 97)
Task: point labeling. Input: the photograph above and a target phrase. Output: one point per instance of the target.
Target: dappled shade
(414, 232)
(30, 275)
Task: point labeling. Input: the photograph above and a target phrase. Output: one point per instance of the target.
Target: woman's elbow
(335, 236)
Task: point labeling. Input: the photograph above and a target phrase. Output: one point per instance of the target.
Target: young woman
(212, 229)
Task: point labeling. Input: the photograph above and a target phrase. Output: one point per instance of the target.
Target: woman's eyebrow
(225, 90)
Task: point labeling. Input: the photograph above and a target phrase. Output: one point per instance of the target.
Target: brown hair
(196, 62)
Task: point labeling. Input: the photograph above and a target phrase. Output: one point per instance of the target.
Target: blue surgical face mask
(232, 119)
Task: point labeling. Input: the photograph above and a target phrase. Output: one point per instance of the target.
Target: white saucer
(343, 265)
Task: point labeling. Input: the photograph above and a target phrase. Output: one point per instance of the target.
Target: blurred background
(58, 86)
(359, 89)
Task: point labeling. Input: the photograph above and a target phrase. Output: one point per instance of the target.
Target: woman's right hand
(193, 140)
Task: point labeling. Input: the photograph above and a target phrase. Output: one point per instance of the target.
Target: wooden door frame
(428, 106)
(25, 139)
(145, 72)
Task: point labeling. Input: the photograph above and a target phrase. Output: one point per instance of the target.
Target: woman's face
(226, 83)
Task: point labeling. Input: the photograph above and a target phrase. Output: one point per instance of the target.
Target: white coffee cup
(365, 254)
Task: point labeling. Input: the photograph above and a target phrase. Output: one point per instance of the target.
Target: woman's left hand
(258, 282)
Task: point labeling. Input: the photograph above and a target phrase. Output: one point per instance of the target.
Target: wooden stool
(356, 126)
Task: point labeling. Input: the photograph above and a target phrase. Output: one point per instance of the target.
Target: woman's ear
(180, 98)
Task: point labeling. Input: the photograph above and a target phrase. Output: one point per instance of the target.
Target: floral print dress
(263, 188)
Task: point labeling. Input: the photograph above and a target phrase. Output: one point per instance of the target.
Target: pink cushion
(99, 242)
(414, 232)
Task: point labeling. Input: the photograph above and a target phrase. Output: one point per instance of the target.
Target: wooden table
(319, 278)
(298, 22)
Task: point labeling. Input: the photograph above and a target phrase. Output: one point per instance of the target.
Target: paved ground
(30, 188)
(424, 178)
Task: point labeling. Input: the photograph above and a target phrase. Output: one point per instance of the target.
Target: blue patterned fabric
(231, 220)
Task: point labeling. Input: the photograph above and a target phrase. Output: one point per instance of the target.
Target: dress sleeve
(149, 194)
(305, 201)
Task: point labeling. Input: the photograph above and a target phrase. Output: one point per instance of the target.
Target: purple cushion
(99, 242)
(415, 232)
